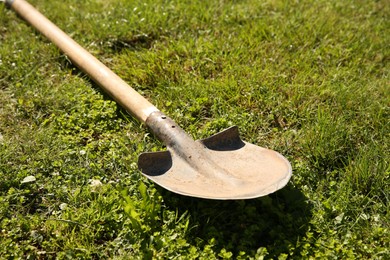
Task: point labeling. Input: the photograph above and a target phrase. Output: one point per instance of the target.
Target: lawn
(309, 79)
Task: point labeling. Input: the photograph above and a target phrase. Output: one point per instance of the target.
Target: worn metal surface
(219, 167)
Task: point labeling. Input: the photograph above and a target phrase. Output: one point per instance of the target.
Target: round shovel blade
(219, 167)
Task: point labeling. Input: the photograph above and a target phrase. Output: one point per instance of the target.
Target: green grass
(306, 78)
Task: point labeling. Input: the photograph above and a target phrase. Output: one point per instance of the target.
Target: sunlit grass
(306, 78)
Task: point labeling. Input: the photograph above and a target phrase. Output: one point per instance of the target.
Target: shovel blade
(219, 167)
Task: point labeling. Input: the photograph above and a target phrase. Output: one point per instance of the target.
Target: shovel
(219, 167)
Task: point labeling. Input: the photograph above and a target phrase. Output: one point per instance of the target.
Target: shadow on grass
(136, 42)
(275, 222)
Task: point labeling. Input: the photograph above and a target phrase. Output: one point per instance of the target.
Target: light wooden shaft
(119, 90)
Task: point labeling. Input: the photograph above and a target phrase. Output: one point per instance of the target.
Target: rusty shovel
(219, 167)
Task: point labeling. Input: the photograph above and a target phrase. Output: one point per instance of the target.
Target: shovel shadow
(275, 222)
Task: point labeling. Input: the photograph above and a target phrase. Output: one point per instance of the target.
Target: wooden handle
(119, 90)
